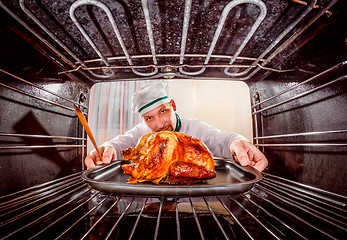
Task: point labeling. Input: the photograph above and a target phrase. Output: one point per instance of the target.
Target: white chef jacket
(217, 141)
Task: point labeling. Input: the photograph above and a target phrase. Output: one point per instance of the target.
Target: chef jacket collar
(178, 124)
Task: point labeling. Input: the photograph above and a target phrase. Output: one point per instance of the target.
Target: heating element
(107, 40)
(274, 209)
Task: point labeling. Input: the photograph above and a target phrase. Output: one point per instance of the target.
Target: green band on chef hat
(149, 97)
(152, 103)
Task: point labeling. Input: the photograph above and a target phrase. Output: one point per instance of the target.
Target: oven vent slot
(275, 208)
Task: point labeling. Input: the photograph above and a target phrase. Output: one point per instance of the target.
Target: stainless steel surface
(301, 95)
(42, 99)
(301, 134)
(36, 131)
(43, 89)
(189, 24)
(296, 34)
(46, 101)
(274, 209)
(231, 179)
(304, 123)
(43, 146)
(340, 65)
(294, 65)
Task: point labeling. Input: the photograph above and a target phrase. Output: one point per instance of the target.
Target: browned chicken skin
(168, 157)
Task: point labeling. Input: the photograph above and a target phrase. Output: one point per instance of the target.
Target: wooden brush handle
(87, 129)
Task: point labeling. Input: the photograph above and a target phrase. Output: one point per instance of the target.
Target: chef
(158, 112)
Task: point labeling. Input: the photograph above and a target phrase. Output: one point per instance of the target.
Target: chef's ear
(173, 104)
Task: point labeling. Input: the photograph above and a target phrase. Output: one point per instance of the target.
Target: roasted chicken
(168, 157)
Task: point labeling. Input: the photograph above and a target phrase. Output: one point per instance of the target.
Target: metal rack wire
(260, 112)
(274, 208)
(15, 135)
(152, 70)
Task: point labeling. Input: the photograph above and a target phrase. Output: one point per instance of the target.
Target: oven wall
(27, 159)
(321, 166)
(318, 160)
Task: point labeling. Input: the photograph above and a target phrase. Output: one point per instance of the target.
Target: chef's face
(161, 118)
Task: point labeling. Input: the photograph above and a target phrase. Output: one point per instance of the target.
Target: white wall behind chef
(223, 104)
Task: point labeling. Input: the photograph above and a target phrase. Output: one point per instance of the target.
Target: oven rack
(259, 112)
(40, 146)
(334, 68)
(108, 66)
(42, 89)
(83, 139)
(275, 208)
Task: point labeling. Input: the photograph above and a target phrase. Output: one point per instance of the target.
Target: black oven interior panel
(304, 136)
(41, 138)
(107, 40)
(38, 142)
(301, 114)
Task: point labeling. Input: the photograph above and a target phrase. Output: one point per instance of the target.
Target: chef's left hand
(247, 154)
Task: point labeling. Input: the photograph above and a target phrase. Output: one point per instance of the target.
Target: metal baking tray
(231, 179)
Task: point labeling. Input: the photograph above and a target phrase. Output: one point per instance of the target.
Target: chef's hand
(247, 154)
(108, 154)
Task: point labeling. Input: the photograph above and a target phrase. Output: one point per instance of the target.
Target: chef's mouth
(168, 128)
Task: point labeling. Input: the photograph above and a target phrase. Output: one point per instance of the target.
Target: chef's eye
(165, 110)
(148, 119)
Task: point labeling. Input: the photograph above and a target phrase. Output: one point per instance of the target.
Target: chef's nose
(159, 124)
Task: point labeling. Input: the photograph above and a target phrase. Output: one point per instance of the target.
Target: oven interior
(291, 54)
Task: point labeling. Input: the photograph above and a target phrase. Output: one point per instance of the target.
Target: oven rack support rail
(68, 139)
(259, 111)
(276, 208)
(107, 70)
(64, 142)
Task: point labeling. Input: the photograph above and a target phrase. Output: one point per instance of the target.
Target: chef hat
(149, 97)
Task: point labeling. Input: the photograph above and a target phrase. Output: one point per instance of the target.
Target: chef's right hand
(247, 154)
(108, 154)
